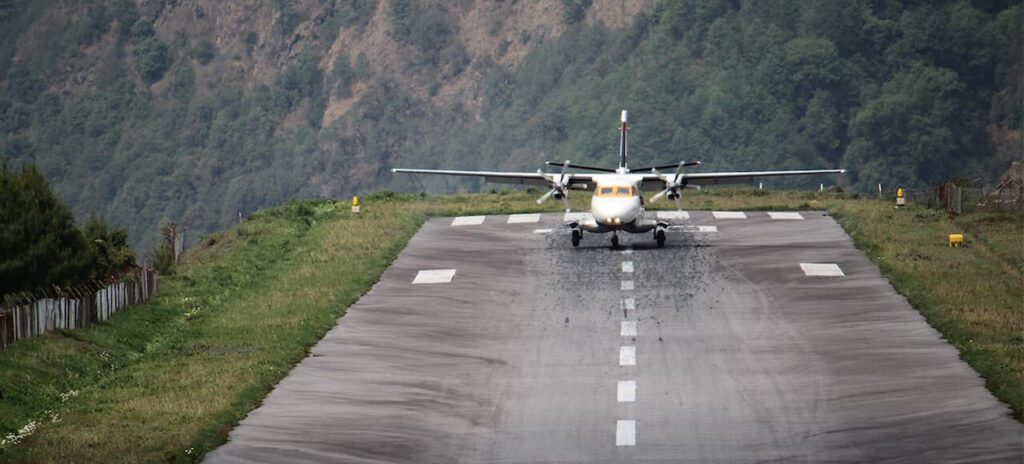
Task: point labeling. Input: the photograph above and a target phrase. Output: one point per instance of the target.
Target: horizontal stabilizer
(666, 166)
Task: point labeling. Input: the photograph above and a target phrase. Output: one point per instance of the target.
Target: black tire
(576, 235)
(615, 241)
(660, 237)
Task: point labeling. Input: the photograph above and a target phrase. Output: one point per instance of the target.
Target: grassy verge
(167, 380)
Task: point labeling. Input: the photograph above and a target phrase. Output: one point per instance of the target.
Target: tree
(152, 59)
(39, 243)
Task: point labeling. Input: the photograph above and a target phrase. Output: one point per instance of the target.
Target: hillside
(155, 111)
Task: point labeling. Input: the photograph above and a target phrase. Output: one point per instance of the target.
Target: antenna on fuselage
(622, 143)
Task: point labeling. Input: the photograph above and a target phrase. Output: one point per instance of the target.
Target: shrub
(152, 58)
(162, 259)
(204, 52)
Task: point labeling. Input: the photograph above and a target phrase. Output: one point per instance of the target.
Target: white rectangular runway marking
(627, 251)
(468, 220)
(627, 284)
(786, 216)
(434, 276)
(627, 266)
(542, 231)
(581, 216)
(523, 218)
(822, 269)
(627, 355)
(627, 391)
(625, 433)
(729, 215)
(630, 303)
(696, 228)
(673, 215)
(627, 329)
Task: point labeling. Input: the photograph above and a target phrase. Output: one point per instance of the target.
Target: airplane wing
(721, 178)
(652, 182)
(578, 180)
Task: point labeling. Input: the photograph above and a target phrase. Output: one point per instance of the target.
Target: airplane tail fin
(622, 142)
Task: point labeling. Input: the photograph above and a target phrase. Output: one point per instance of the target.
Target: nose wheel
(615, 241)
(576, 236)
(659, 236)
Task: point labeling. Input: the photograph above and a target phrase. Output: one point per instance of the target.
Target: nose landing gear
(659, 236)
(615, 240)
(576, 236)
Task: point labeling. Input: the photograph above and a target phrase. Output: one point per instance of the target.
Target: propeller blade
(679, 203)
(565, 201)
(659, 195)
(545, 197)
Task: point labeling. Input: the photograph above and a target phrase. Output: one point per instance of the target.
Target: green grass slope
(166, 381)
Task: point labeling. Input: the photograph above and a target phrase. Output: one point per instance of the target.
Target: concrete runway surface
(719, 347)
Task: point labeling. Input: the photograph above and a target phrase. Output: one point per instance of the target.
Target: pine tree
(39, 243)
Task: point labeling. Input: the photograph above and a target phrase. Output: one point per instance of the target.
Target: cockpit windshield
(615, 191)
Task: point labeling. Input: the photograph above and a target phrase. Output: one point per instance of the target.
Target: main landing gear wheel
(659, 235)
(576, 235)
(615, 241)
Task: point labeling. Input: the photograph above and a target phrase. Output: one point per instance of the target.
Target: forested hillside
(187, 111)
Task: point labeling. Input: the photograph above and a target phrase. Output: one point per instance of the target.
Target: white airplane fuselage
(616, 205)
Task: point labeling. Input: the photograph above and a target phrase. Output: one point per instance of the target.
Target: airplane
(617, 203)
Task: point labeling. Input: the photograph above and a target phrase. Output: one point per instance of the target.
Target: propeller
(673, 183)
(559, 185)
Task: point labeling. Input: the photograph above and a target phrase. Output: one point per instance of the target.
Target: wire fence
(25, 315)
(957, 200)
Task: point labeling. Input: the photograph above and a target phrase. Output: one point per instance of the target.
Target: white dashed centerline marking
(581, 216)
(468, 220)
(629, 303)
(627, 266)
(785, 216)
(627, 251)
(729, 215)
(434, 276)
(625, 433)
(523, 218)
(627, 355)
(673, 215)
(627, 329)
(822, 269)
(627, 391)
(542, 231)
(627, 284)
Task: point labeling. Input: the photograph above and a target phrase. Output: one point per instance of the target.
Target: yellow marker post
(956, 240)
(355, 205)
(900, 200)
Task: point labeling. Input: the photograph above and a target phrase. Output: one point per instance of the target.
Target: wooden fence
(30, 314)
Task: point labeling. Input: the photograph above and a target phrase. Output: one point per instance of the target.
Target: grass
(166, 381)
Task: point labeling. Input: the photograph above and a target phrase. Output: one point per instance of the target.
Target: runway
(748, 338)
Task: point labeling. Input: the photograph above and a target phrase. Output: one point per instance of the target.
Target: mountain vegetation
(148, 112)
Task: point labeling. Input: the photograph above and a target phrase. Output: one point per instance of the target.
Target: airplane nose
(617, 214)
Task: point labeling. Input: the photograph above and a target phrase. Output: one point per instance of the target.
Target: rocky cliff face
(189, 111)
